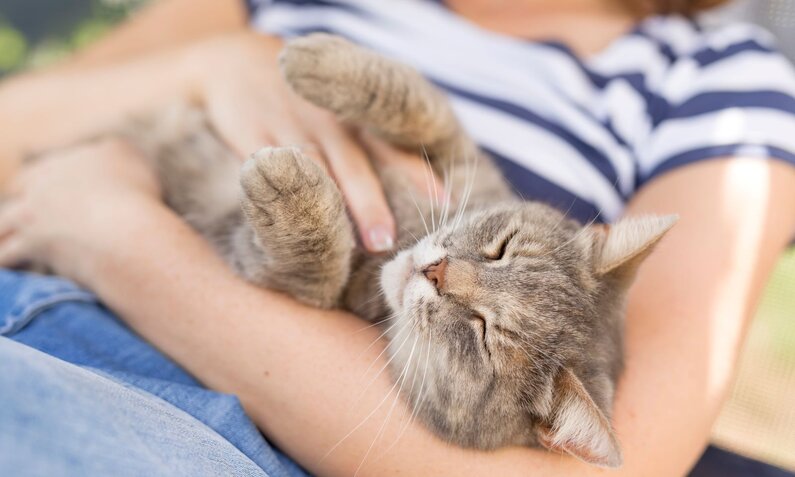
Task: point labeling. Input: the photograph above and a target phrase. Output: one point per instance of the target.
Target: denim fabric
(87, 397)
(109, 397)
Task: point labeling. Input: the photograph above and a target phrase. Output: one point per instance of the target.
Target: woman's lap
(64, 420)
(109, 400)
(80, 394)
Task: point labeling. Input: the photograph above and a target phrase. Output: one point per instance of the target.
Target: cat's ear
(622, 246)
(577, 426)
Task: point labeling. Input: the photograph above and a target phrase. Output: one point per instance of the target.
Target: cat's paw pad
(280, 174)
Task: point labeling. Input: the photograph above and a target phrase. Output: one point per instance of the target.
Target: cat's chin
(395, 276)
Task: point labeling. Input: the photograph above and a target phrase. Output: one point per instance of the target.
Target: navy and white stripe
(583, 135)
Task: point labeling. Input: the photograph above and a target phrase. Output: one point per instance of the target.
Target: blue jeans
(82, 395)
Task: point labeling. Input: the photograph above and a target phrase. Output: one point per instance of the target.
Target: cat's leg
(389, 98)
(300, 231)
(396, 103)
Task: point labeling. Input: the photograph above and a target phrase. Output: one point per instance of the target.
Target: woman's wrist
(67, 208)
(105, 96)
(199, 64)
(113, 237)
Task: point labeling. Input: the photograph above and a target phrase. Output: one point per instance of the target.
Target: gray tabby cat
(506, 319)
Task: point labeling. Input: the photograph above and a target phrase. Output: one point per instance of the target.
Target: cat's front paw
(280, 182)
(326, 70)
(299, 224)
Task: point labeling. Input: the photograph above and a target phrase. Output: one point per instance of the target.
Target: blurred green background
(759, 417)
(37, 32)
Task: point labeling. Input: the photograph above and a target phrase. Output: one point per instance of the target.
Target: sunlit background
(759, 418)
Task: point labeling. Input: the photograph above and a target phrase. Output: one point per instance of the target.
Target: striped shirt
(583, 134)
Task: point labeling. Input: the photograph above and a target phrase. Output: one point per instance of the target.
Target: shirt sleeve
(732, 95)
(254, 6)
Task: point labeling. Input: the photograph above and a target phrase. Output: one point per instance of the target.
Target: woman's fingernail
(381, 239)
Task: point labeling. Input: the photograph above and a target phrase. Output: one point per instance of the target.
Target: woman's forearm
(226, 74)
(49, 109)
(162, 24)
(102, 83)
(307, 376)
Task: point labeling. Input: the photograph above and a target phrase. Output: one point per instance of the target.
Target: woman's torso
(582, 135)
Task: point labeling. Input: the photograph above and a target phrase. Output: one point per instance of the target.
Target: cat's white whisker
(470, 182)
(376, 340)
(405, 229)
(445, 206)
(563, 217)
(419, 210)
(387, 330)
(429, 179)
(379, 293)
(448, 194)
(421, 395)
(420, 400)
(414, 372)
(432, 178)
(449, 186)
(402, 381)
(376, 323)
(384, 367)
(368, 416)
(381, 403)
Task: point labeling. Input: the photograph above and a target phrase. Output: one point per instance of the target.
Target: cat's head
(507, 328)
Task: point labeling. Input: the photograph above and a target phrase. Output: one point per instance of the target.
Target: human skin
(230, 70)
(202, 50)
(302, 374)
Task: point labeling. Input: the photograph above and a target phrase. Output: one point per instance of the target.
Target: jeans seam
(16, 320)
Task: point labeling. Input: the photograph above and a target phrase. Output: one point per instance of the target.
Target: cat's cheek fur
(426, 252)
(395, 276)
(401, 277)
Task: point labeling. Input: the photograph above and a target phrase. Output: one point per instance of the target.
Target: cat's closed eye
(500, 251)
(477, 317)
(481, 328)
(479, 321)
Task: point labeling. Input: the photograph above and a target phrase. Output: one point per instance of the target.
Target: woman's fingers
(361, 188)
(12, 252)
(335, 150)
(417, 168)
(242, 128)
(247, 141)
(289, 134)
(9, 218)
(12, 245)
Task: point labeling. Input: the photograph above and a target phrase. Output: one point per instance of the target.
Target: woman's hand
(238, 81)
(58, 209)
(236, 77)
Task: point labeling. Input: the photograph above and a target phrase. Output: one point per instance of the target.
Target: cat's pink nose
(435, 273)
